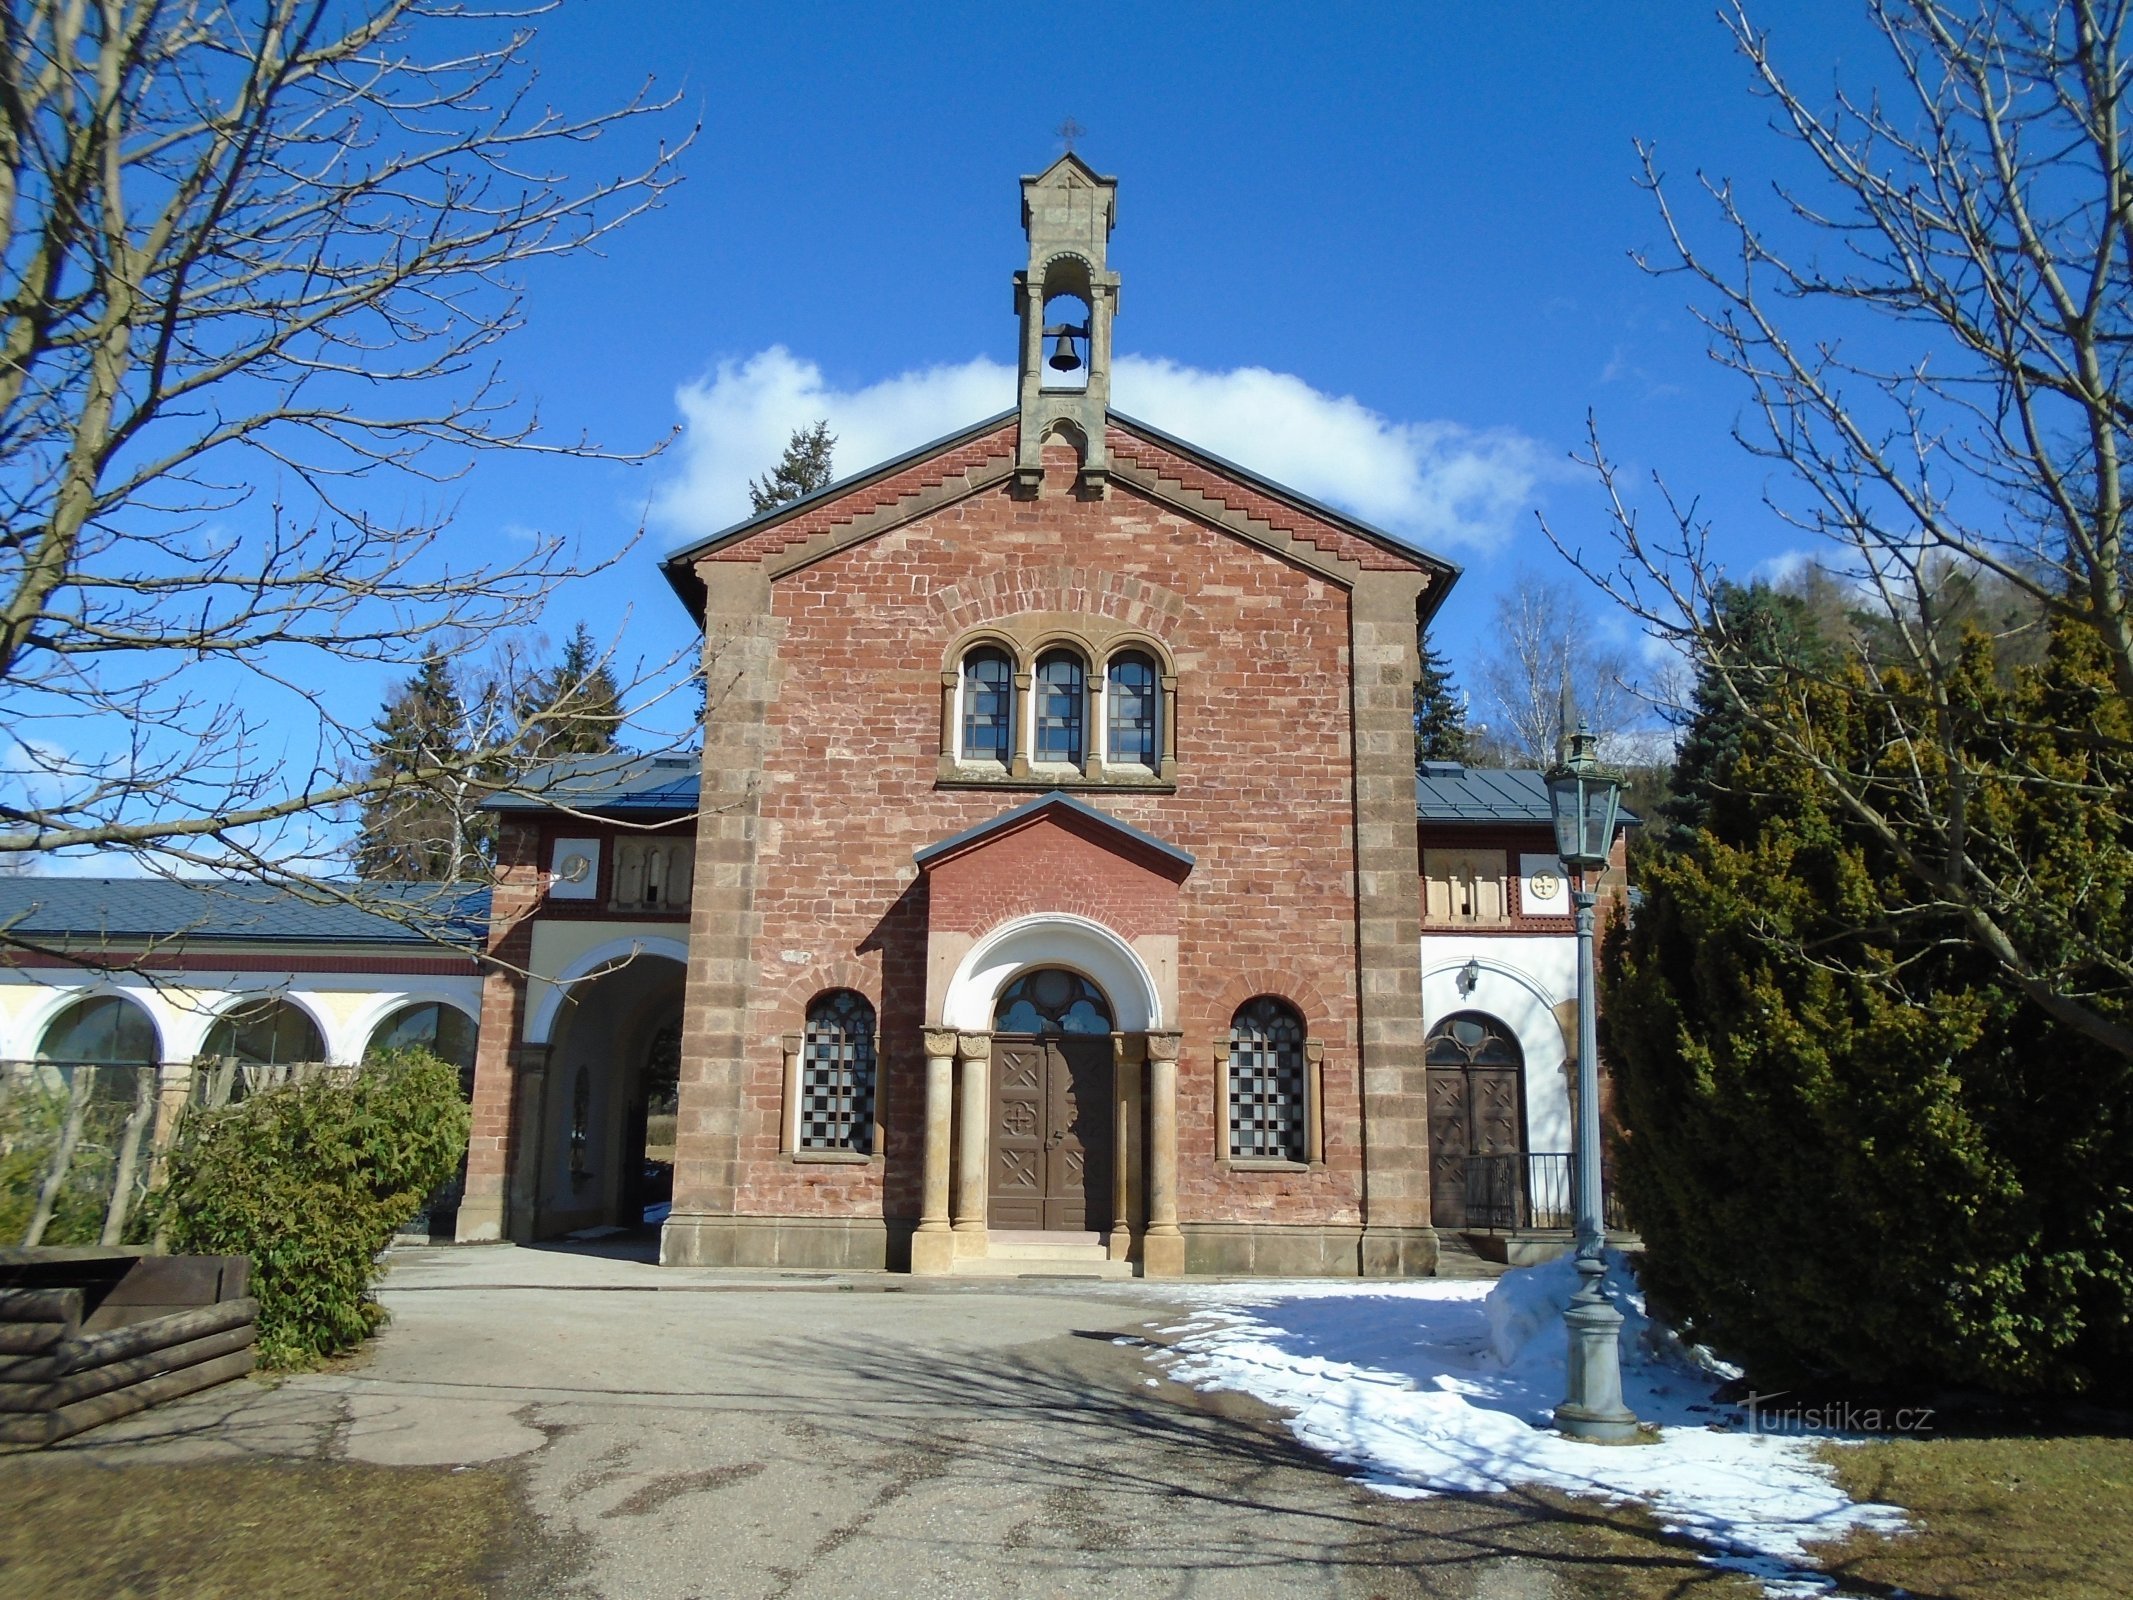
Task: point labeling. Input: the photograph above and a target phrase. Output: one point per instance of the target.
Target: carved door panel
(1450, 1138)
(1078, 1166)
(1051, 1133)
(1018, 1114)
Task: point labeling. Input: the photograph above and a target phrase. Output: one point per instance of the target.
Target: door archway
(1476, 1109)
(1051, 1141)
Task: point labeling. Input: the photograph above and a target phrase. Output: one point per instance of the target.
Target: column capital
(794, 1043)
(973, 1046)
(940, 1043)
(1314, 1051)
(1128, 1047)
(1164, 1046)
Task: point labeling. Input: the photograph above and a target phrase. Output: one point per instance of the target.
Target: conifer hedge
(1857, 1153)
(310, 1181)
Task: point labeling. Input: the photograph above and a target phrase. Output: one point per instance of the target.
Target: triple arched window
(1065, 710)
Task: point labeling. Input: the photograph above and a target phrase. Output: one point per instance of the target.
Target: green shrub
(1858, 1154)
(310, 1181)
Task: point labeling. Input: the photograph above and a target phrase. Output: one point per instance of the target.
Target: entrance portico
(1051, 1053)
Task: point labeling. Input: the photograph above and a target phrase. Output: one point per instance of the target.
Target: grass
(78, 1530)
(2013, 1518)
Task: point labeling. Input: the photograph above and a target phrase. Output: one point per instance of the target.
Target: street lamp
(1585, 798)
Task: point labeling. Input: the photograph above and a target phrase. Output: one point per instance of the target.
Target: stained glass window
(1132, 740)
(837, 1075)
(1266, 1081)
(1052, 1000)
(988, 706)
(1061, 696)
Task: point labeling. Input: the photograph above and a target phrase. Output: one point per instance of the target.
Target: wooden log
(35, 1428)
(40, 1305)
(95, 1349)
(56, 1392)
(30, 1338)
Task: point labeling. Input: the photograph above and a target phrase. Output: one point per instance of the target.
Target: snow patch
(1444, 1387)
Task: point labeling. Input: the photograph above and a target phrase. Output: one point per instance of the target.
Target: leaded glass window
(837, 1075)
(988, 706)
(1266, 1081)
(1131, 740)
(1052, 1000)
(1061, 695)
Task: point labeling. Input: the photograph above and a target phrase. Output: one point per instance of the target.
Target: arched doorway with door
(1476, 1117)
(606, 1156)
(1051, 1140)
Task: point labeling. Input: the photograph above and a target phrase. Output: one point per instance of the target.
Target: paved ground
(698, 1434)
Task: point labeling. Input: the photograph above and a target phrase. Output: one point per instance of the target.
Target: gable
(1150, 463)
(1054, 854)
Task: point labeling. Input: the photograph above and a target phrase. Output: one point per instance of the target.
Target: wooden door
(1476, 1108)
(1051, 1133)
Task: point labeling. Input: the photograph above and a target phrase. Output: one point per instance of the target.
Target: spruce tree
(1858, 1151)
(574, 708)
(419, 830)
(804, 469)
(1440, 712)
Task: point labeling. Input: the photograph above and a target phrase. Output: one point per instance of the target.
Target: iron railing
(1521, 1191)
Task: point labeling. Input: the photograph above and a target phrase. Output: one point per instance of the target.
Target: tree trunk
(129, 1155)
(79, 1086)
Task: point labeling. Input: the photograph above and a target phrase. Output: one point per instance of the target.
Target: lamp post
(1584, 799)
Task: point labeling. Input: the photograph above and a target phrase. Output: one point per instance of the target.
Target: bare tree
(1543, 638)
(255, 263)
(1935, 339)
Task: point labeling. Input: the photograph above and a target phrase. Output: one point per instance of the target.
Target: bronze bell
(1063, 357)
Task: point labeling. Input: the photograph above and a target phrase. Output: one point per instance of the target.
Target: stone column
(789, 1107)
(174, 1092)
(973, 1064)
(719, 1056)
(1127, 1052)
(933, 1245)
(1023, 726)
(1163, 1246)
(1167, 730)
(1397, 1237)
(1314, 1102)
(529, 1144)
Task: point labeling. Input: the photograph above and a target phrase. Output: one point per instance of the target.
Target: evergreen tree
(422, 828)
(1440, 712)
(574, 708)
(1859, 1150)
(804, 469)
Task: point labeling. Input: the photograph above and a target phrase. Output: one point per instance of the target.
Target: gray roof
(621, 781)
(207, 910)
(1446, 791)
(1044, 802)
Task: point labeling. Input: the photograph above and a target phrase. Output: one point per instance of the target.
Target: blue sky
(1382, 253)
(1422, 215)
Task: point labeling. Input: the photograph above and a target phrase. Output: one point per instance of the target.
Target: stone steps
(1012, 1254)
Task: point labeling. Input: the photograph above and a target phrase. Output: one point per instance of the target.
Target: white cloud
(1438, 484)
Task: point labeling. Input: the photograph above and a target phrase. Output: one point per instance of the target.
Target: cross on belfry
(1068, 131)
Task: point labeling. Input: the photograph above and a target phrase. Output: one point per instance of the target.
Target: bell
(1063, 357)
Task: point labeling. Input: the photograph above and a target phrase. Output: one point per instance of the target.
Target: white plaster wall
(1522, 980)
(346, 1006)
(565, 951)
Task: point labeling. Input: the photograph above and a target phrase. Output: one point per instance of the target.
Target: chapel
(1057, 889)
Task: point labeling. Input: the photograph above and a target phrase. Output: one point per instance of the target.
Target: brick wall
(1264, 799)
(1055, 865)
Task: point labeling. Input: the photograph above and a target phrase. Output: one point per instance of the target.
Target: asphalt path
(684, 1435)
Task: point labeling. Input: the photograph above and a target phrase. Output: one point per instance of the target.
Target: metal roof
(208, 910)
(1044, 802)
(1447, 791)
(622, 780)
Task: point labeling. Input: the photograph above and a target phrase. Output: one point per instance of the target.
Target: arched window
(1266, 1082)
(268, 1033)
(1061, 698)
(444, 1031)
(1052, 1000)
(1133, 694)
(988, 706)
(109, 1031)
(837, 1075)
